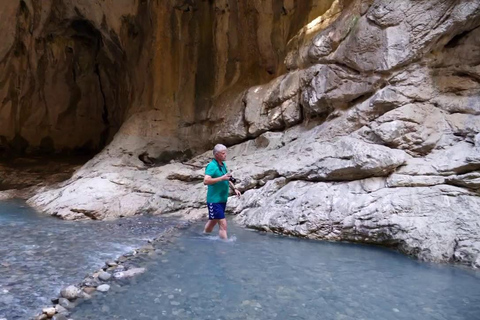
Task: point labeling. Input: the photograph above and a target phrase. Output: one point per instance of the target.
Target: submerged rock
(103, 288)
(89, 290)
(59, 316)
(111, 263)
(65, 303)
(70, 292)
(49, 311)
(61, 309)
(104, 276)
(129, 273)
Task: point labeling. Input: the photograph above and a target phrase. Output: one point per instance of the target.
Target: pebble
(70, 292)
(91, 283)
(86, 296)
(65, 303)
(103, 288)
(129, 273)
(89, 290)
(111, 263)
(59, 316)
(49, 311)
(104, 276)
(147, 247)
(254, 304)
(61, 309)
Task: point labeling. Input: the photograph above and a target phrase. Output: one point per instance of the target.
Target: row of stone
(71, 296)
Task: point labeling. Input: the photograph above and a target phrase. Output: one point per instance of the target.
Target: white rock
(104, 276)
(129, 273)
(71, 292)
(103, 288)
(49, 311)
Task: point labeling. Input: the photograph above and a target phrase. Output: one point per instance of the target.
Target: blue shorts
(216, 210)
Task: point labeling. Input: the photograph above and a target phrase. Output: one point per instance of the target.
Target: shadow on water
(265, 276)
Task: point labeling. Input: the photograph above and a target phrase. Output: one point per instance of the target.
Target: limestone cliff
(347, 120)
(73, 72)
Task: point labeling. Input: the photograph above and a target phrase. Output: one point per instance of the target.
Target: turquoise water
(39, 254)
(264, 276)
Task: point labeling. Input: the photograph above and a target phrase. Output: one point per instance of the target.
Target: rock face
(74, 71)
(348, 120)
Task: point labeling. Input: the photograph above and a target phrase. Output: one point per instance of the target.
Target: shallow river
(39, 254)
(263, 276)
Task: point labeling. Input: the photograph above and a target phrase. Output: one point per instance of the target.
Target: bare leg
(222, 232)
(209, 226)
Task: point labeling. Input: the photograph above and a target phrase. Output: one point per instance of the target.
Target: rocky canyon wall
(73, 72)
(346, 120)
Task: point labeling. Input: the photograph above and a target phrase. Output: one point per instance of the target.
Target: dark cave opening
(89, 113)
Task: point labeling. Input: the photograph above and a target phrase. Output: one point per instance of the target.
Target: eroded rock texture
(348, 120)
(74, 72)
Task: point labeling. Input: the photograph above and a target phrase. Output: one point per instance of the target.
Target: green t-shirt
(217, 192)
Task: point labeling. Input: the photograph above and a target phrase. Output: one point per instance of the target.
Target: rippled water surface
(263, 276)
(40, 254)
